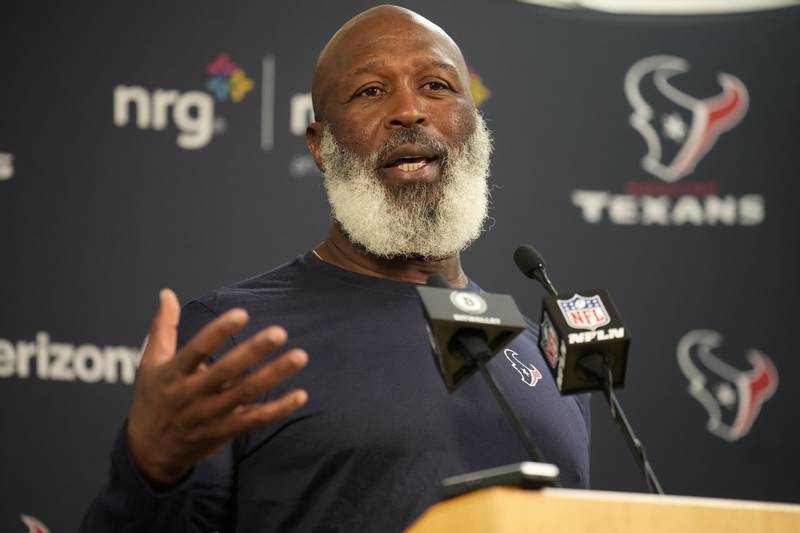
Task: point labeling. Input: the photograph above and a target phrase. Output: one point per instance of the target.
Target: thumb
(163, 337)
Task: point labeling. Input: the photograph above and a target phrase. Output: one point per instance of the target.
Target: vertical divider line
(267, 102)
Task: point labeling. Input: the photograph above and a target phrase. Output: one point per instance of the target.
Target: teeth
(410, 167)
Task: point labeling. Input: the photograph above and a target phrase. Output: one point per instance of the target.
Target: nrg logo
(191, 112)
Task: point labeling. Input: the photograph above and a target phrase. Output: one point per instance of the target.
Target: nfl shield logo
(584, 312)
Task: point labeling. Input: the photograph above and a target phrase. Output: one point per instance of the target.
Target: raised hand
(183, 411)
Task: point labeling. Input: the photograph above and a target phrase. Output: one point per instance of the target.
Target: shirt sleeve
(198, 502)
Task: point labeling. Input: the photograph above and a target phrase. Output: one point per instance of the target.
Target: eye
(436, 86)
(370, 92)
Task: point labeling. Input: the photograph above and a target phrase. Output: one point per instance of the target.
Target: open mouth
(410, 157)
(410, 164)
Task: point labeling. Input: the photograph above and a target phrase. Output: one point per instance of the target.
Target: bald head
(372, 34)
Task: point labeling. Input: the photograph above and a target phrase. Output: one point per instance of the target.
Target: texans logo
(529, 373)
(679, 129)
(34, 525)
(732, 397)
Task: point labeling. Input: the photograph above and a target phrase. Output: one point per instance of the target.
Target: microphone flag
(451, 312)
(574, 325)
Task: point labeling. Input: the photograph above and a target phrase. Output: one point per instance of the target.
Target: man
(237, 445)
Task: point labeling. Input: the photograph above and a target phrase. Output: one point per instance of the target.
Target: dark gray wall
(97, 216)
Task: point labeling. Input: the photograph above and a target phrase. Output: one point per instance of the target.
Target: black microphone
(470, 343)
(576, 329)
(531, 263)
(459, 320)
(465, 330)
(586, 347)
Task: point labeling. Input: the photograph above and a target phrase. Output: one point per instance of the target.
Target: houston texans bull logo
(34, 524)
(732, 397)
(529, 373)
(661, 113)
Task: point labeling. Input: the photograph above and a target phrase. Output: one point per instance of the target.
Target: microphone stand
(475, 350)
(531, 264)
(596, 365)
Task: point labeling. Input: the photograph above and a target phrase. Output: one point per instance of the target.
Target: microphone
(586, 346)
(578, 331)
(464, 326)
(531, 263)
(465, 330)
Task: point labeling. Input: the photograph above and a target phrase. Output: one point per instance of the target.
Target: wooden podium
(506, 510)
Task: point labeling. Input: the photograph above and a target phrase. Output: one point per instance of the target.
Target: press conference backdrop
(144, 146)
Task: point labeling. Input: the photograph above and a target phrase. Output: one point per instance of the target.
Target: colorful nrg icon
(228, 80)
(480, 92)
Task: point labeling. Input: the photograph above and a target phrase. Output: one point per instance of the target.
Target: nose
(407, 110)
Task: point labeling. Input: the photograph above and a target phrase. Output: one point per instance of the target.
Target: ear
(313, 141)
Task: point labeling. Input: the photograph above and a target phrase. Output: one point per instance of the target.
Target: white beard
(425, 220)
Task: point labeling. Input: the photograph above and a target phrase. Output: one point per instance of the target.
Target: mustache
(409, 136)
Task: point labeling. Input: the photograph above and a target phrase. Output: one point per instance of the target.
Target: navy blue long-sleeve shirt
(379, 431)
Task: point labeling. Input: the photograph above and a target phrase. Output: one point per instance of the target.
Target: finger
(230, 366)
(210, 339)
(253, 386)
(164, 330)
(252, 416)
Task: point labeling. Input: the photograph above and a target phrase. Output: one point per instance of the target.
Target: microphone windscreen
(528, 260)
(437, 280)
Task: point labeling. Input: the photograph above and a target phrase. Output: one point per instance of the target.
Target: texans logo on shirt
(34, 524)
(529, 373)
